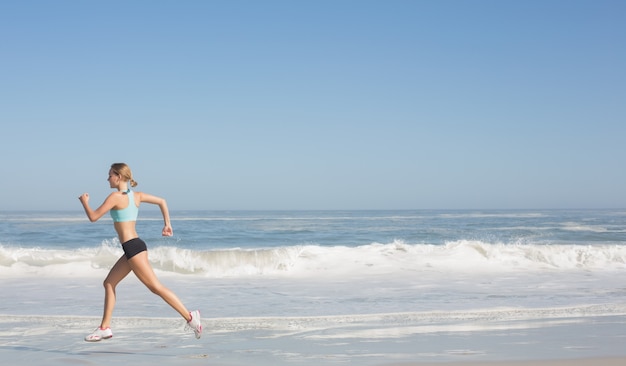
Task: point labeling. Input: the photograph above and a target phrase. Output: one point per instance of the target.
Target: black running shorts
(133, 247)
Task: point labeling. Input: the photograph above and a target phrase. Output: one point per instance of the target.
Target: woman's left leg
(144, 272)
(116, 274)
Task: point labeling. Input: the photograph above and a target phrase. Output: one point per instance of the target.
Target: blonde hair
(123, 170)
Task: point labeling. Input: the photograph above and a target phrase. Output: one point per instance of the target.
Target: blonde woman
(124, 207)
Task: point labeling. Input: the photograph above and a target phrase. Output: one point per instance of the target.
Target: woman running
(124, 207)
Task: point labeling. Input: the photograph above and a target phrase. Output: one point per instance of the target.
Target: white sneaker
(195, 324)
(99, 334)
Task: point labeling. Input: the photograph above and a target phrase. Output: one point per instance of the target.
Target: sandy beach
(58, 340)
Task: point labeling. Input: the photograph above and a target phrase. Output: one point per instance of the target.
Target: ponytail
(123, 171)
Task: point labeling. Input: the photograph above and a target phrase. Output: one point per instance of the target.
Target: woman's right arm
(95, 215)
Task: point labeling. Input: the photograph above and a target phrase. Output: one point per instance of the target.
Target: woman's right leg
(120, 270)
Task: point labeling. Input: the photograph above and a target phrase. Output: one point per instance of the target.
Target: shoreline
(600, 361)
(304, 341)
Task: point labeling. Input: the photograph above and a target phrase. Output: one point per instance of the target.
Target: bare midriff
(125, 230)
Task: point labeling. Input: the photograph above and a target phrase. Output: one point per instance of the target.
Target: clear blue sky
(316, 104)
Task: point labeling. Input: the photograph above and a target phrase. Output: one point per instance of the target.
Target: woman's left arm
(148, 198)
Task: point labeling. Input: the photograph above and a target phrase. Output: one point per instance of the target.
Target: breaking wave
(315, 260)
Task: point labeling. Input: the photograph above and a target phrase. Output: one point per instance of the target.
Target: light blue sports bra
(126, 214)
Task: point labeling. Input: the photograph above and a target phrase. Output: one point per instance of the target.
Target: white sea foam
(379, 325)
(314, 260)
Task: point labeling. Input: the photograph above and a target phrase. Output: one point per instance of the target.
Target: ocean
(359, 278)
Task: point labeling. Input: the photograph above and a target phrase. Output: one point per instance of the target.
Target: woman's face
(114, 179)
